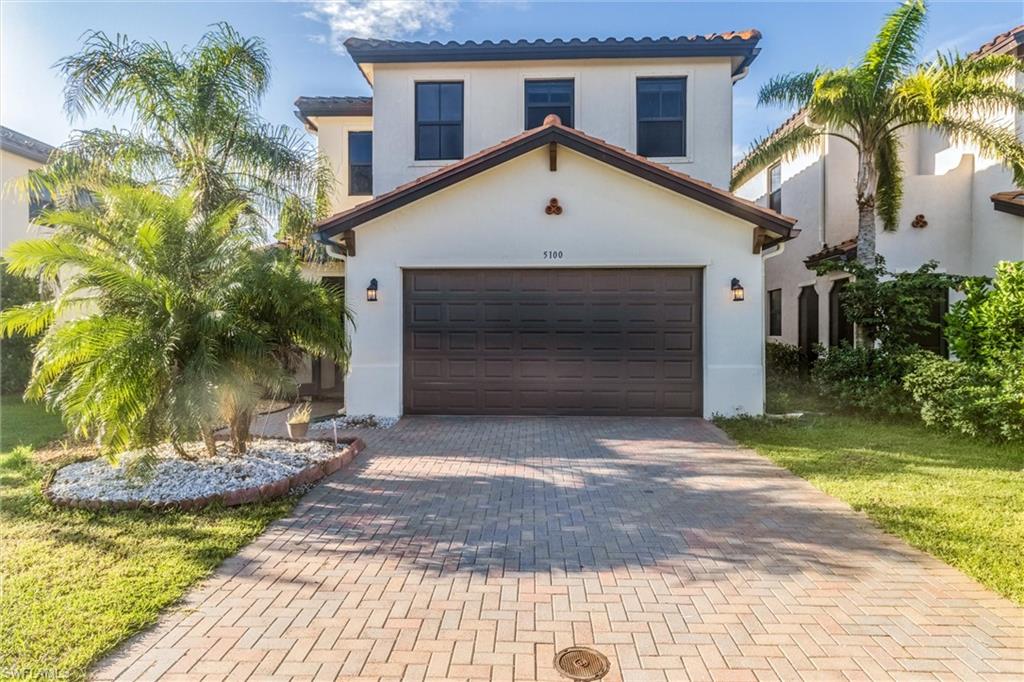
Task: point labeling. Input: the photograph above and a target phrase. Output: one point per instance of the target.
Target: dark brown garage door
(569, 341)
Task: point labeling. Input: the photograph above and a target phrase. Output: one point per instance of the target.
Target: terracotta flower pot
(297, 429)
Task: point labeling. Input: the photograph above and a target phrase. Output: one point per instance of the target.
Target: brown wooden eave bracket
(760, 238)
(553, 155)
(348, 243)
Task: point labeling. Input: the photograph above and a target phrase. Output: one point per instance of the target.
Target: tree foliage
(194, 122)
(15, 354)
(869, 103)
(893, 308)
(169, 320)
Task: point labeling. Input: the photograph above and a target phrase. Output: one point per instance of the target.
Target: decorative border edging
(233, 498)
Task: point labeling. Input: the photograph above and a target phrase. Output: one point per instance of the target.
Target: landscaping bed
(161, 478)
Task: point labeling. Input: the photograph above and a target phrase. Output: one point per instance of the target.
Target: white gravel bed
(173, 478)
(354, 421)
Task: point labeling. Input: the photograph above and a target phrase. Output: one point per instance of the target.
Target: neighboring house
(548, 231)
(19, 154)
(959, 208)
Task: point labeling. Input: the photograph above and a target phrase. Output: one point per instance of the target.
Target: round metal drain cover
(581, 663)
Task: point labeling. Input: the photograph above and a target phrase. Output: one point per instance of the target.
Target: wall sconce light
(737, 290)
(371, 291)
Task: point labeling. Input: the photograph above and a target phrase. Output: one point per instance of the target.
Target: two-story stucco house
(542, 228)
(959, 208)
(19, 154)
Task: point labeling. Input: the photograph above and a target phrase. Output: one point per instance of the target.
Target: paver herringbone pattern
(474, 549)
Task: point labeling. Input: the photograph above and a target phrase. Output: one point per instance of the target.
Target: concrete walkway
(475, 548)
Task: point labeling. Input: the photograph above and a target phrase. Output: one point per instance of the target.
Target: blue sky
(304, 40)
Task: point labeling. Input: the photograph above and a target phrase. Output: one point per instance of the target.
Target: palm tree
(194, 123)
(867, 105)
(168, 321)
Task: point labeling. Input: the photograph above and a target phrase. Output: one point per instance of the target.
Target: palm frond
(789, 90)
(889, 187)
(894, 50)
(994, 141)
(769, 150)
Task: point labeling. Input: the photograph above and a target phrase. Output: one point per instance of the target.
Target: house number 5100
(553, 255)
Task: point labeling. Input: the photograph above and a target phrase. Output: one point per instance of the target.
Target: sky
(304, 40)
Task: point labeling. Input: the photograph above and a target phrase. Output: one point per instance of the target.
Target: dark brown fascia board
(1008, 206)
(306, 107)
(777, 224)
(433, 53)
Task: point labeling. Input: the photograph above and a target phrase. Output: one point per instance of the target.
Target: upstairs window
(438, 121)
(549, 97)
(661, 117)
(775, 187)
(360, 163)
(39, 202)
(775, 312)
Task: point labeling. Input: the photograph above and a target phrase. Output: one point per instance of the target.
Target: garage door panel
(599, 341)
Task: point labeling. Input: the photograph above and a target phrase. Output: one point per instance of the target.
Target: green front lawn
(959, 499)
(76, 583)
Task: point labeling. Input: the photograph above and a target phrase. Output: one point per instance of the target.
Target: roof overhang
(1009, 202)
(741, 46)
(769, 227)
(307, 108)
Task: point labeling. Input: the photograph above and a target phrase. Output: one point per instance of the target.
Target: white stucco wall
(14, 222)
(605, 92)
(332, 141)
(611, 218)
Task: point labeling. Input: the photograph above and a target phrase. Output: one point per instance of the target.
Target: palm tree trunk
(240, 431)
(867, 179)
(210, 441)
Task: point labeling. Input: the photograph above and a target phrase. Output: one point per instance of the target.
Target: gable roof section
(24, 146)
(741, 44)
(305, 107)
(771, 227)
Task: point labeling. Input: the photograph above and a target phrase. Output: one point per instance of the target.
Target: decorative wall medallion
(553, 208)
(919, 221)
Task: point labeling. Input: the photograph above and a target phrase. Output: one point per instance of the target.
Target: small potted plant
(298, 420)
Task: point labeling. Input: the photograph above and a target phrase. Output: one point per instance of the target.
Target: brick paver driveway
(476, 548)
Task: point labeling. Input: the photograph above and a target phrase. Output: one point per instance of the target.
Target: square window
(549, 97)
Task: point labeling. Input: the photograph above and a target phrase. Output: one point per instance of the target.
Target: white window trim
(691, 84)
(440, 77)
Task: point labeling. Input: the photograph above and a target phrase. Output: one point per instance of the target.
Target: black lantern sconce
(737, 290)
(371, 291)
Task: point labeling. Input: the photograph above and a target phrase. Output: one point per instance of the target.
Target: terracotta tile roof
(1004, 42)
(843, 250)
(27, 147)
(553, 131)
(732, 43)
(1009, 202)
(305, 107)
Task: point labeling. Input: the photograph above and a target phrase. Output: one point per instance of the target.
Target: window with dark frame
(933, 337)
(39, 201)
(661, 117)
(439, 108)
(775, 312)
(775, 187)
(840, 328)
(545, 97)
(360, 163)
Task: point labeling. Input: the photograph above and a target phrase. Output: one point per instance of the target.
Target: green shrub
(865, 379)
(981, 400)
(782, 359)
(16, 353)
(989, 322)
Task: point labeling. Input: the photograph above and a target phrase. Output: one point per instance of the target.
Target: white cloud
(381, 18)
